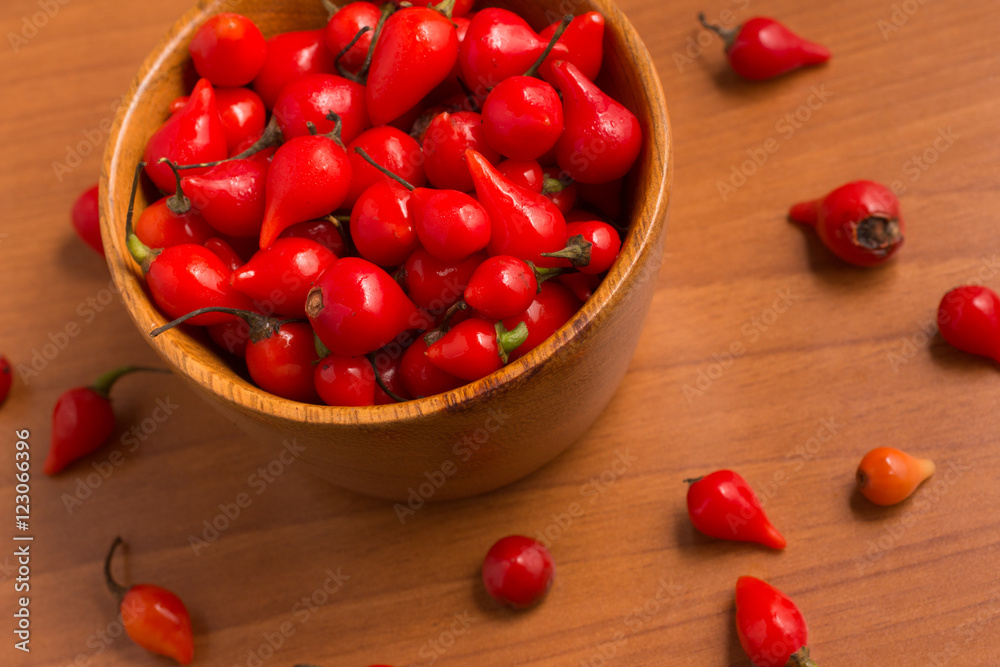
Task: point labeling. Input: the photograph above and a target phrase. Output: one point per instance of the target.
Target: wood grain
(853, 361)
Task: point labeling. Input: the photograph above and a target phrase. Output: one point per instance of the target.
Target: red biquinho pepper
(969, 318)
(771, 628)
(858, 221)
(83, 420)
(475, 348)
(153, 617)
(762, 48)
(723, 505)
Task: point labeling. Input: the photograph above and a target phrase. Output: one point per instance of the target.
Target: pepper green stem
(332, 135)
(338, 127)
(103, 384)
(446, 7)
(543, 274)
(368, 158)
(116, 589)
(178, 203)
(321, 349)
(342, 224)
(577, 251)
(551, 185)
(141, 253)
(387, 11)
(381, 383)
(801, 659)
(272, 136)
(533, 70)
(728, 36)
(343, 71)
(435, 335)
(508, 341)
(261, 327)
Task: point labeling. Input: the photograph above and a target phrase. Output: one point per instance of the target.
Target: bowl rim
(645, 226)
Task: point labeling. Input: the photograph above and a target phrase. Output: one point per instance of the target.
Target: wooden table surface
(831, 361)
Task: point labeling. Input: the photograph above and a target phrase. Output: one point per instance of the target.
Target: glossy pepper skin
(356, 308)
(415, 52)
(82, 421)
(187, 277)
(243, 116)
(309, 177)
(382, 225)
(591, 246)
(193, 135)
(86, 220)
(345, 381)
(390, 148)
(281, 275)
(762, 49)
(475, 348)
(229, 197)
(342, 28)
(291, 56)
(887, 475)
(153, 617)
(281, 362)
(859, 222)
(498, 45)
(280, 354)
(312, 98)
(722, 505)
(770, 627)
(422, 378)
(228, 50)
(435, 285)
(526, 173)
(601, 138)
(447, 138)
(451, 225)
(159, 227)
(501, 287)
(518, 571)
(522, 118)
(969, 319)
(524, 224)
(553, 306)
(183, 277)
(584, 41)
(224, 251)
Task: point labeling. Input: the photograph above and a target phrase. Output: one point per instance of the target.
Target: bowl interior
(627, 74)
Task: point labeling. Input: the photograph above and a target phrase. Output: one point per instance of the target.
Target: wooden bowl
(467, 441)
